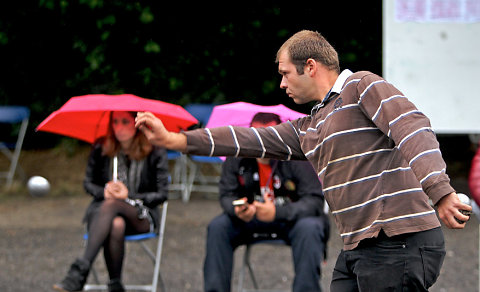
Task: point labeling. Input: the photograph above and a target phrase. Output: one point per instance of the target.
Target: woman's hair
(308, 44)
(139, 149)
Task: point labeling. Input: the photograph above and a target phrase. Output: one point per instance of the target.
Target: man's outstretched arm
(157, 134)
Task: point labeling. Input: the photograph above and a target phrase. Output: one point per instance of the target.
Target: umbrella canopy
(241, 114)
(87, 117)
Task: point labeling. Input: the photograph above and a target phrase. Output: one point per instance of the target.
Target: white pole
(115, 167)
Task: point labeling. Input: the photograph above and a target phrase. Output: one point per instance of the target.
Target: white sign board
(431, 52)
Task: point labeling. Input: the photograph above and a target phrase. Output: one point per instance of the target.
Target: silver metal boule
(463, 198)
(466, 200)
(38, 186)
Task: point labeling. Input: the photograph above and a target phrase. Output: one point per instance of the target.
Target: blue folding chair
(178, 178)
(197, 180)
(13, 115)
(155, 257)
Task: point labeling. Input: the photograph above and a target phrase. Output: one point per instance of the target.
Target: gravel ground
(40, 237)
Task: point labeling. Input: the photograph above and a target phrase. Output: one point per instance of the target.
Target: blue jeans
(307, 238)
(406, 262)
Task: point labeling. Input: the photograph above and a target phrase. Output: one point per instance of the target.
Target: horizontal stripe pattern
(378, 221)
(359, 155)
(376, 200)
(374, 152)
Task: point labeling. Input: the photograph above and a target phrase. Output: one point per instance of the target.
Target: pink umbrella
(86, 117)
(241, 113)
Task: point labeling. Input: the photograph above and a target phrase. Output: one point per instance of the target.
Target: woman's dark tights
(107, 229)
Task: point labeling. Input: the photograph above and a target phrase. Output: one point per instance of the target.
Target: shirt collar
(337, 88)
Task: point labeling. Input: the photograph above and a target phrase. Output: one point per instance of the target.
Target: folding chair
(155, 257)
(197, 180)
(268, 238)
(13, 115)
(179, 172)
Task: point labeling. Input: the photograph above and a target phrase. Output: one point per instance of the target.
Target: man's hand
(157, 134)
(448, 209)
(265, 211)
(245, 212)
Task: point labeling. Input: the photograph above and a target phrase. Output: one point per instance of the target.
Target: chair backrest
(201, 111)
(13, 114)
(172, 154)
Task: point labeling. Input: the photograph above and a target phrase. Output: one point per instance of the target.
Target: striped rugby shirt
(374, 151)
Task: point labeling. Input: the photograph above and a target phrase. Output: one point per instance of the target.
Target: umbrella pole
(115, 168)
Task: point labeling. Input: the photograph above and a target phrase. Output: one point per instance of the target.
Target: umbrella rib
(97, 126)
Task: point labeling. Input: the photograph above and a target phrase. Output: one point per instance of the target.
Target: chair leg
(185, 190)
(95, 275)
(14, 155)
(158, 256)
(246, 265)
(249, 266)
(190, 179)
(241, 276)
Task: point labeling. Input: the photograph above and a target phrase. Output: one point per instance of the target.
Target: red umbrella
(87, 117)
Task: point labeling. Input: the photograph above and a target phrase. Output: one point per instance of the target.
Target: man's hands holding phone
(264, 211)
(244, 210)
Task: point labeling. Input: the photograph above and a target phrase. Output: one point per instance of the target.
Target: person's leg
(114, 248)
(101, 225)
(407, 262)
(425, 255)
(222, 235)
(343, 278)
(307, 240)
(106, 228)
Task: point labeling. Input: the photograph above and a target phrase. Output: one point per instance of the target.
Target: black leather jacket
(296, 181)
(153, 186)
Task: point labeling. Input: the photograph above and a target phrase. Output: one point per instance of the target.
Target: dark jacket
(296, 181)
(152, 189)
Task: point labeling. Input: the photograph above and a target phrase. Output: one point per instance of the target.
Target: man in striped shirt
(375, 153)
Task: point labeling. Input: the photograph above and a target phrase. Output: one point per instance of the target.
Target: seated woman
(122, 205)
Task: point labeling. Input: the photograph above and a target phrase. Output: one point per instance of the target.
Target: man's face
(298, 87)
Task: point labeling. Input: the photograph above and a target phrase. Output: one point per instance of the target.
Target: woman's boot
(115, 285)
(76, 277)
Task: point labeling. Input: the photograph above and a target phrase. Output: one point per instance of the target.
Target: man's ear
(310, 67)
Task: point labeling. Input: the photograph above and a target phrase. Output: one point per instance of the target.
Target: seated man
(281, 197)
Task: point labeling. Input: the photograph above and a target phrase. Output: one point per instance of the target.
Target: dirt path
(39, 237)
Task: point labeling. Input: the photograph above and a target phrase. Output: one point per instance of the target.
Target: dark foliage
(176, 51)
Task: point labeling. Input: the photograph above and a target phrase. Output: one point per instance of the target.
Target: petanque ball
(466, 200)
(38, 186)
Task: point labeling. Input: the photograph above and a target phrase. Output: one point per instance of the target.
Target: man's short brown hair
(308, 44)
